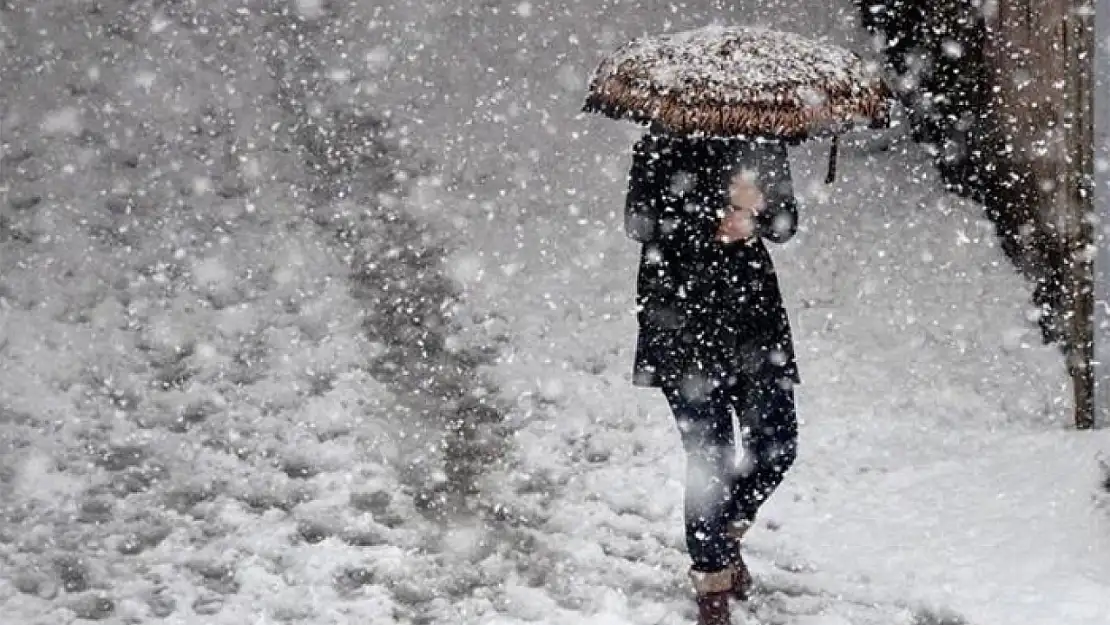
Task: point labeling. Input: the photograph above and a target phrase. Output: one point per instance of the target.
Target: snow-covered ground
(202, 421)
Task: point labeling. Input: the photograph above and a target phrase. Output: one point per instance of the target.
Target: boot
(712, 592)
(741, 576)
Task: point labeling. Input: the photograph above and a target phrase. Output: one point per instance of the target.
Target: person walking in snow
(714, 335)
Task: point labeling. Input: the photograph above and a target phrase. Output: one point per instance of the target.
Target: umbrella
(740, 82)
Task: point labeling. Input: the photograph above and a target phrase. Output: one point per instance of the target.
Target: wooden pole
(1078, 174)
(1101, 197)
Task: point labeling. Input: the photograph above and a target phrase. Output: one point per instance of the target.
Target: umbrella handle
(831, 175)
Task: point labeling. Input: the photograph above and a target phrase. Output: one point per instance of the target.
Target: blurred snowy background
(319, 312)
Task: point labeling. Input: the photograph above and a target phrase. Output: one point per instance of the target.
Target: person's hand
(746, 201)
(743, 192)
(738, 225)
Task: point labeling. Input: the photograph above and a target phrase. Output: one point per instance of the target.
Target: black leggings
(719, 490)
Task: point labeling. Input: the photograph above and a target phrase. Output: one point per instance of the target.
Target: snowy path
(199, 445)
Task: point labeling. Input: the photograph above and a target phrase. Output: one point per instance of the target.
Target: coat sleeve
(657, 209)
(642, 205)
(779, 220)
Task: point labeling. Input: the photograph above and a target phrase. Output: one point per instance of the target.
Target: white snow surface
(189, 432)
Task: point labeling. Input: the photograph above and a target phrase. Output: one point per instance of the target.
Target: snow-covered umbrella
(721, 81)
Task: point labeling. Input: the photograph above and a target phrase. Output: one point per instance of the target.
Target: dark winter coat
(708, 311)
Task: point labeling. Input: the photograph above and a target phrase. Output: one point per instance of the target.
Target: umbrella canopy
(727, 82)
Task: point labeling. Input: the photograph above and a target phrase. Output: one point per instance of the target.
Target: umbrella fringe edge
(842, 110)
